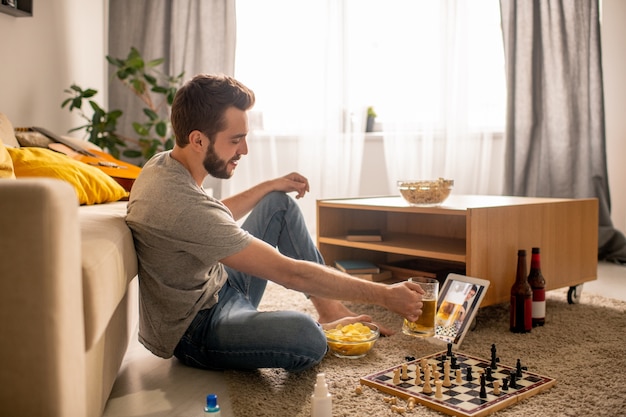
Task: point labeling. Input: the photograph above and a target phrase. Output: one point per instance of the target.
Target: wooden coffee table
(481, 234)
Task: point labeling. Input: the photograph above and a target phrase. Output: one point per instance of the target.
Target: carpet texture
(582, 346)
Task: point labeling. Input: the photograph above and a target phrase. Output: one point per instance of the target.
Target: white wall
(63, 43)
(614, 71)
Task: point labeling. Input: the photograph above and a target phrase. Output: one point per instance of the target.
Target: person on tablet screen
(202, 275)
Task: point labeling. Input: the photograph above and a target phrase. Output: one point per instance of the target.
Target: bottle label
(539, 309)
(539, 304)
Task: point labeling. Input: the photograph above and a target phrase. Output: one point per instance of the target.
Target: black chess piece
(453, 364)
(505, 384)
(519, 369)
(489, 376)
(513, 382)
(468, 374)
(483, 387)
(494, 358)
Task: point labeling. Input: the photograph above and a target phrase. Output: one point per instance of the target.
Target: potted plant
(156, 91)
(371, 118)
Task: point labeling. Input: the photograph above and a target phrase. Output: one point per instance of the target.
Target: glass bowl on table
(425, 193)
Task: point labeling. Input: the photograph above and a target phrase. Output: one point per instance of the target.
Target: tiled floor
(150, 386)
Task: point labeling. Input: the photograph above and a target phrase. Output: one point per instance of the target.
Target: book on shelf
(357, 266)
(383, 275)
(364, 235)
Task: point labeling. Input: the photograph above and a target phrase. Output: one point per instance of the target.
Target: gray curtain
(193, 36)
(555, 136)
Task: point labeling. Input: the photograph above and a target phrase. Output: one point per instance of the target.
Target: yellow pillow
(6, 165)
(91, 184)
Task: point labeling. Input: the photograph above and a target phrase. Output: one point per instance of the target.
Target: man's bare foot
(333, 312)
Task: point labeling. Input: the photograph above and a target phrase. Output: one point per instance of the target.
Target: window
(422, 64)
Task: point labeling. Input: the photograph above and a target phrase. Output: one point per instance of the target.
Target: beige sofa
(66, 290)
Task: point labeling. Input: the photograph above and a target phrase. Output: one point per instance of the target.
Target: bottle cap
(211, 402)
(535, 250)
(321, 388)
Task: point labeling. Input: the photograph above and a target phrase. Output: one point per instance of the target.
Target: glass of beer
(424, 326)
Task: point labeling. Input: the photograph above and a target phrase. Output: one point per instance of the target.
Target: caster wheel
(573, 295)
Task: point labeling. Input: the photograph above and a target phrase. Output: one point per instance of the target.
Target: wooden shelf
(480, 233)
(407, 244)
(24, 9)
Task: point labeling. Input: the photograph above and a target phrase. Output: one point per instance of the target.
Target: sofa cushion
(91, 184)
(6, 164)
(109, 263)
(7, 135)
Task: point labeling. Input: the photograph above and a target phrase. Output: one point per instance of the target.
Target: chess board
(460, 399)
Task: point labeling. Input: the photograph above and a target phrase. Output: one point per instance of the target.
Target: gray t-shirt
(180, 235)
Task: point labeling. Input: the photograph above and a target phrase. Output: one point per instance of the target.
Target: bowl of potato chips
(353, 340)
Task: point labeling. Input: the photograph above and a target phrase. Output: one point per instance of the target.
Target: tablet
(457, 305)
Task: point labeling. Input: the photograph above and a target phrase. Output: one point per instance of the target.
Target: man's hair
(200, 104)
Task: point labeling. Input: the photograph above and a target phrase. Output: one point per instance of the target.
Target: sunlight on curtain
(432, 70)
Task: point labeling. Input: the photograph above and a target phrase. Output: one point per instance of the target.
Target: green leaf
(152, 115)
(155, 62)
(161, 128)
(151, 80)
(132, 153)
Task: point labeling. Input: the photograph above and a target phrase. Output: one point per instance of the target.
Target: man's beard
(215, 166)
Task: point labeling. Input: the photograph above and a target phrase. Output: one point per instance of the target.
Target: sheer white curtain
(451, 122)
(432, 70)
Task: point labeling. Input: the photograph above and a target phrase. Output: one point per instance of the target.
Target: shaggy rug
(582, 346)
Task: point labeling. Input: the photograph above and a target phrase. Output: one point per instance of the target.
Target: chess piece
(438, 393)
(396, 376)
(494, 358)
(427, 389)
(521, 298)
(496, 387)
(453, 363)
(519, 369)
(483, 387)
(459, 377)
(446, 374)
(426, 373)
(405, 375)
(418, 375)
(468, 374)
(538, 285)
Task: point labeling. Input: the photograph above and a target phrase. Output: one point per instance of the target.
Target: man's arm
(241, 204)
(264, 261)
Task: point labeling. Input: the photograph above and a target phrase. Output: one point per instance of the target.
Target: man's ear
(197, 140)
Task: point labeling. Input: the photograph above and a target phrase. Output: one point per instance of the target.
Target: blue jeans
(233, 334)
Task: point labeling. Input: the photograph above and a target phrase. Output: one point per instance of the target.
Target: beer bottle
(521, 298)
(538, 285)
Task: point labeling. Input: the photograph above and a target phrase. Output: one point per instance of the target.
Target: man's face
(223, 154)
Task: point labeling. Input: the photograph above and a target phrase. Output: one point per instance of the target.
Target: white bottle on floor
(321, 400)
